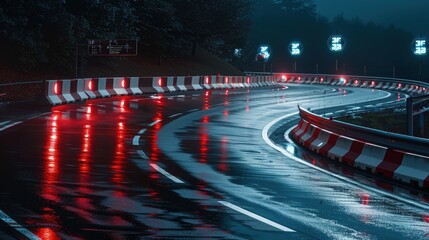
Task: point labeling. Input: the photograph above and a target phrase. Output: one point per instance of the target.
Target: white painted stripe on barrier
(142, 131)
(170, 84)
(81, 89)
(320, 141)
(371, 157)
(340, 149)
(102, 87)
(181, 83)
(412, 168)
(196, 83)
(255, 216)
(66, 85)
(165, 173)
(134, 85)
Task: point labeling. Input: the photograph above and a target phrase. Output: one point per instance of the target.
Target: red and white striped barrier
(67, 91)
(382, 161)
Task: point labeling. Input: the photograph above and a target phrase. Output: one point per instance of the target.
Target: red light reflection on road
(51, 169)
(365, 198)
(85, 155)
(206, 101)
(204, 140)
(47, 234)
(154, 155)
(118, 160)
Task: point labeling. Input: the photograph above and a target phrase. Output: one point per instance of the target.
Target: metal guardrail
(21, 91)
(387, 139)
(366, 78)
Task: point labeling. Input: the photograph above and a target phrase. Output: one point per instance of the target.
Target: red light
(299, 78)
(160, 82)
(123, 83)
(207, 93)
(400, 85)
(226, 92)
(56, 88)
(356, 81)
(365, 199)
(321, 79)
(248, 80)
(90, 85)
(372, 83)
(207, 80)
(226, 80)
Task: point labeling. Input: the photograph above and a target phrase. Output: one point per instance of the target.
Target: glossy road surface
(194, 165)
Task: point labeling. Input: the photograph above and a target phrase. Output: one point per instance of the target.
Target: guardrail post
(410, 126)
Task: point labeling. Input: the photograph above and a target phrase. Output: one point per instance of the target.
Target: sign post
(419, 48)
(336, 44)
(295, 49)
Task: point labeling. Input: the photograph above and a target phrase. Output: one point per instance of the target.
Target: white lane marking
(342, 178)
(9, 126)
(142, 131)
(255, 216)
(165, 173)
(142, 154)
(37, 115)
(193, 110)
(136, 140)
(157, 121)
(175, 115)
(12, 223)
(4, 123)
(340, 111)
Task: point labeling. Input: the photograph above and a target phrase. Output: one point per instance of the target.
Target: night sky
(410, 15)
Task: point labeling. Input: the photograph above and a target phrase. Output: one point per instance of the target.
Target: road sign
(263, 53)
(113, 48)
(336, 43)
(419, 46)
(295, 48)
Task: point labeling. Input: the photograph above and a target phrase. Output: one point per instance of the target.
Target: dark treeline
(369, 46)
(42, 34)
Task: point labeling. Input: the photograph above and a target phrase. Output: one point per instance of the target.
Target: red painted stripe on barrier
(354, 152)
(329, 145)
(313, 137)
(392, 160)
(299, 136)
(297, 128)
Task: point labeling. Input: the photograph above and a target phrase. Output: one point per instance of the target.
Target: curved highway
(195, 165)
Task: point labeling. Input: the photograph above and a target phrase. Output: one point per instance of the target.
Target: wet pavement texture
(189, 165)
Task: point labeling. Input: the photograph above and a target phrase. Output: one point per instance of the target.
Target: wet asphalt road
(192, 165)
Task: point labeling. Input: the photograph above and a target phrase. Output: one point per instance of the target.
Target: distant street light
(295, 49)
(238, 52)
(336, 44)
